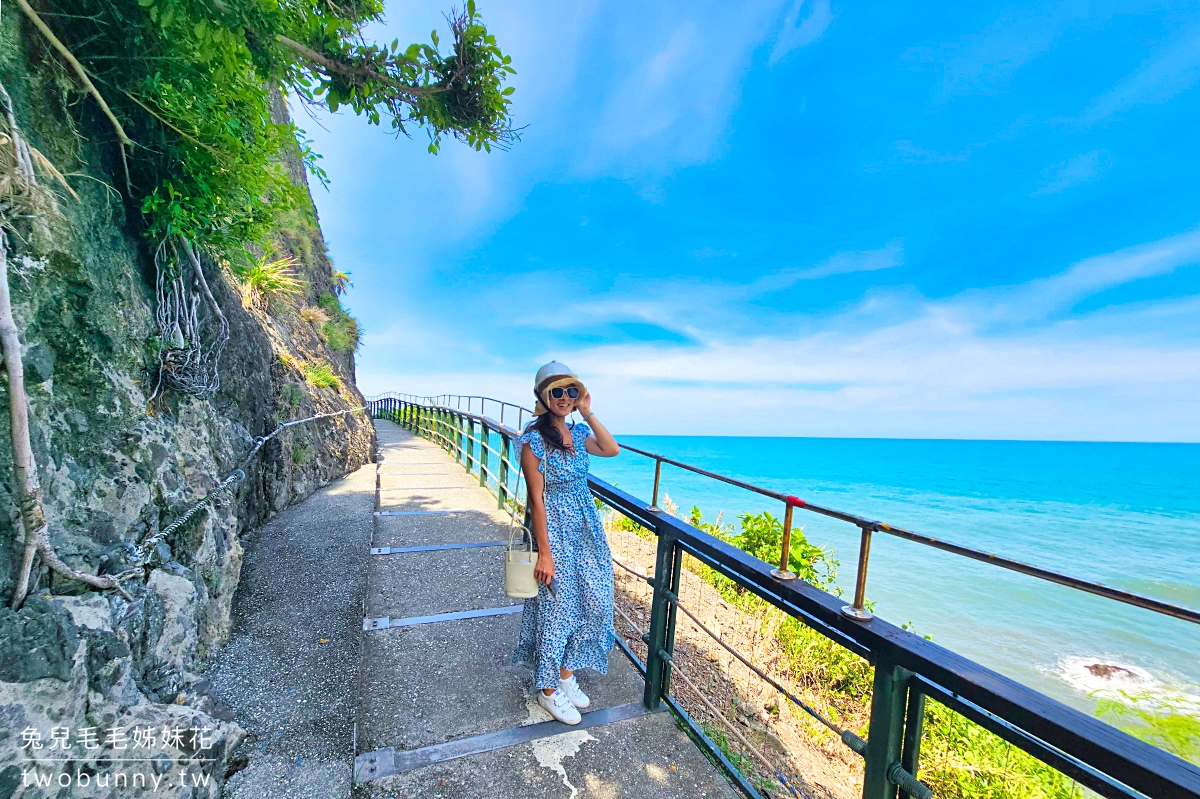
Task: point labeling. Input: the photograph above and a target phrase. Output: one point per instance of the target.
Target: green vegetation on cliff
(191, 82)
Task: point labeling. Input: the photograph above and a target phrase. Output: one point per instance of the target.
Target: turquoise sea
(1127, 515)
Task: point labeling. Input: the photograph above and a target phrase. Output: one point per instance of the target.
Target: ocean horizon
(1125, 514)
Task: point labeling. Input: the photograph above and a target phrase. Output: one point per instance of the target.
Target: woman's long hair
(550, 432)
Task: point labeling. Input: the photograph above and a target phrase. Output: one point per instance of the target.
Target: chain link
(233, 479)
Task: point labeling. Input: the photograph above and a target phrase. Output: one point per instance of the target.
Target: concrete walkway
(432, 706)
(433, 691)
(289, 670)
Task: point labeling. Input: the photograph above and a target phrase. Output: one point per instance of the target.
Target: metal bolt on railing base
(858, 614)
(911, 785)
(855, 743)
(780, 574)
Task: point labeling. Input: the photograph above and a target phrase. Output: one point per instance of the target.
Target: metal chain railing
(145, 549)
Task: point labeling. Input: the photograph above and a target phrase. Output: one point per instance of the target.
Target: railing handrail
(907, 667)
(1140, 765)
(869, 526)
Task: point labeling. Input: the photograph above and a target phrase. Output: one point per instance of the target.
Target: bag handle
(523, 529)
(512, 517)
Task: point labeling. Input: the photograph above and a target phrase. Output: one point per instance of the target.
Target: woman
(569, 624)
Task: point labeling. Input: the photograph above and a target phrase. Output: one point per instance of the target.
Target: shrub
(340, 332)
(265, 280)
(300, 454)
(341, 281)
(959, 759)
(316, 316)
(321, 375)
(291, 395)
(1168, 722)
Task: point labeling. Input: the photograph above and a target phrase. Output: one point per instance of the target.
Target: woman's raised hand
(543, 571)
(584, 405)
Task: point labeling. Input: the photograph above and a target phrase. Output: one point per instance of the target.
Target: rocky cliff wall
(117, 466)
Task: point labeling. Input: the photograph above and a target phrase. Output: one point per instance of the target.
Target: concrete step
(441, 700)
(424, 583)
(441, 528)
(440, 498)
(422, 691)
(648, 756)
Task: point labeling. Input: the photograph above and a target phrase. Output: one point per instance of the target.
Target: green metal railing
(907, 668)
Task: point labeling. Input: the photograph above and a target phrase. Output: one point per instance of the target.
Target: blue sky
(805, 217)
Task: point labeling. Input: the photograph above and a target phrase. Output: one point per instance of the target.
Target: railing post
(502, 471)
(456, 434)
(858, 610)
(785, 549)
(658, 642)
(914, 725)
(468, 447)
(657, 475)
(672, 604)
(886, 735)
(483, 453)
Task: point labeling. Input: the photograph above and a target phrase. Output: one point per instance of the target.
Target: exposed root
(23, 196)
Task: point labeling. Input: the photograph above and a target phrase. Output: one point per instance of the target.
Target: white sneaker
(570, 687)
(559, 706)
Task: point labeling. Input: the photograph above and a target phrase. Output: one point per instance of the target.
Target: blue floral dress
(573, 629)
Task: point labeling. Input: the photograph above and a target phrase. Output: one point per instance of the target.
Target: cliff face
(117, 466)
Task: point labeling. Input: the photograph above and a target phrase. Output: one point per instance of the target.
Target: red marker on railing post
(785, 550)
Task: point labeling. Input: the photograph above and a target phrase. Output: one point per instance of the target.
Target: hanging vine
(188, 358)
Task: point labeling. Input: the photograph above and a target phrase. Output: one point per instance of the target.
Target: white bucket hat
(553, 375)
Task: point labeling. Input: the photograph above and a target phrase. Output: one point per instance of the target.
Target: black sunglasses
(570, 391)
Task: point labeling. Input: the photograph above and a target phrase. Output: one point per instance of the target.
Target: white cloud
(1040, 298)
(676, 74)
(984, 62)
(843, 263)
(800, 32)
(1075, 171)
(910, 152)
(985, 363)
(686, 305)
(1172, 71)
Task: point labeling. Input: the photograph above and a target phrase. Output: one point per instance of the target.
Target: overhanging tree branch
(87, 83)
(356, 73)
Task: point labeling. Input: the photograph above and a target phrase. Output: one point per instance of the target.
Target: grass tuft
(340, 332)
(321, 375)
(316, 316)
(266, 280)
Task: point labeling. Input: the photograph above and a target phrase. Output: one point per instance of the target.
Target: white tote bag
(519, 582)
